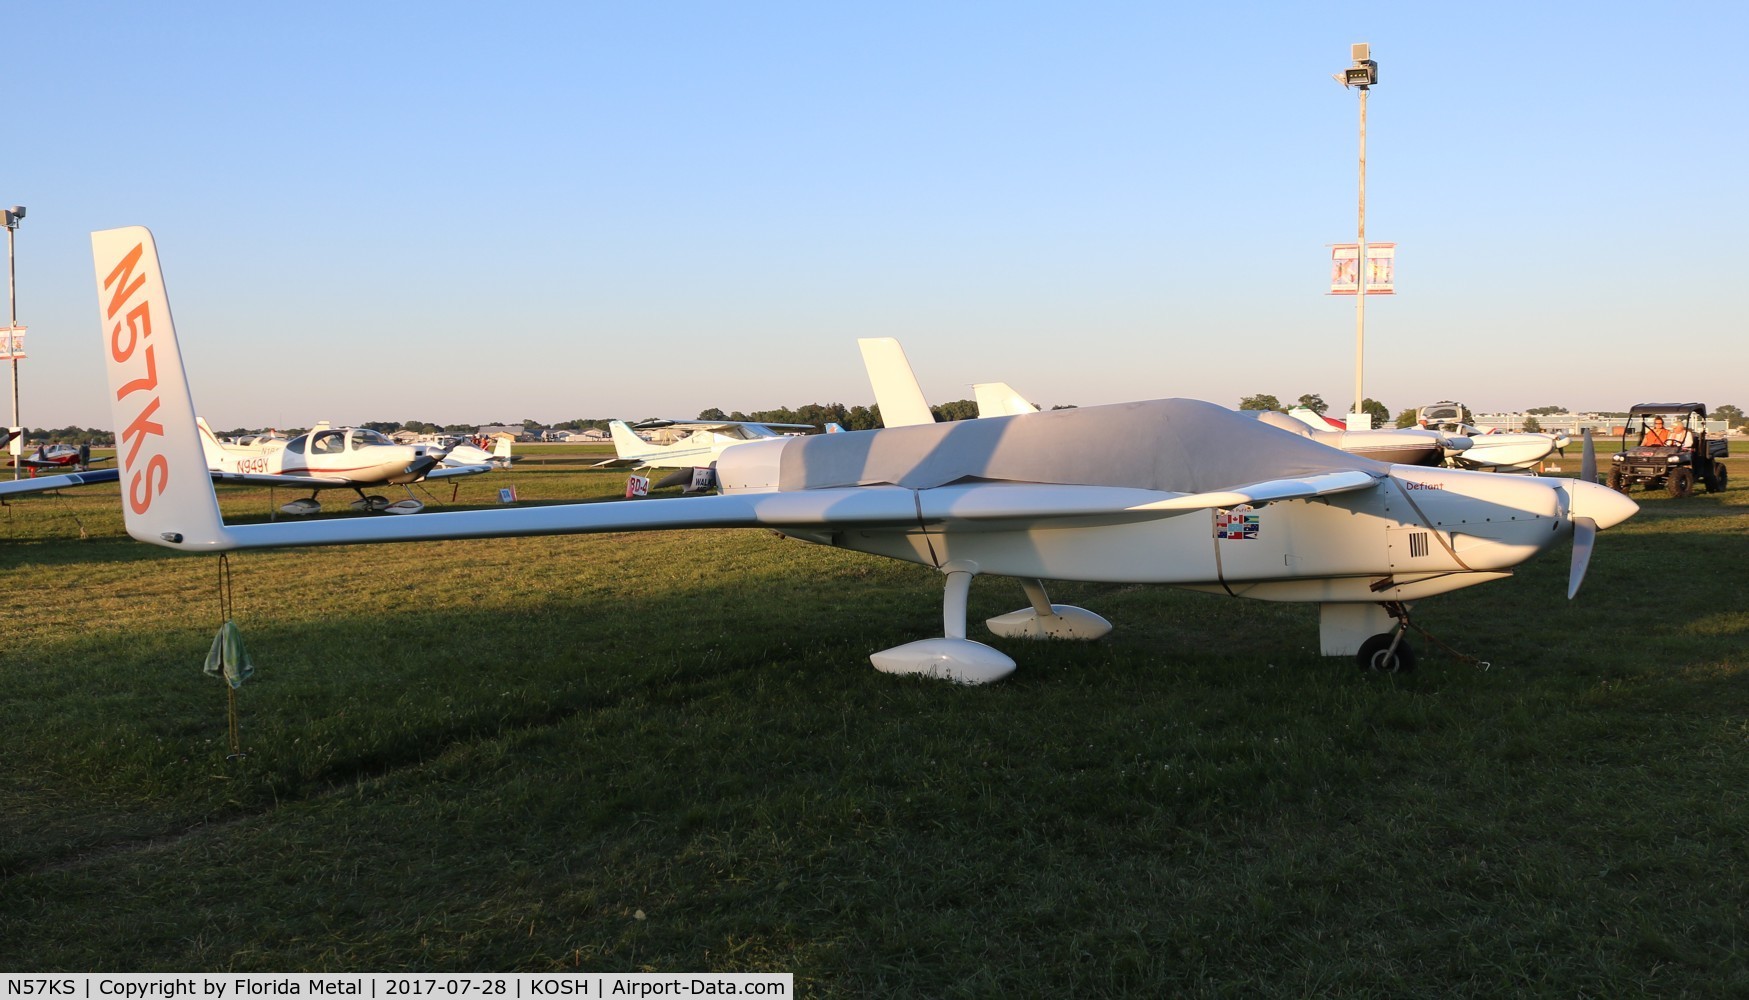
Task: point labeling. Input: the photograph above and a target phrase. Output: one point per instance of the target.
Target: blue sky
(495, 212)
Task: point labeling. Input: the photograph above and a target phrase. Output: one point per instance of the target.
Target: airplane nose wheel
(1389, 652)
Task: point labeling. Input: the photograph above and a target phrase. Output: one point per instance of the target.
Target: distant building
(1573, 424)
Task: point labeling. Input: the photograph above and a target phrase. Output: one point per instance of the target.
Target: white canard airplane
(700, 448)
(326, 458)
(1490, 451)
(1224, 504)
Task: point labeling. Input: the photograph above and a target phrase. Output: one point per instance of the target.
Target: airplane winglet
(998, 399)
(895, 384)
(167, 493)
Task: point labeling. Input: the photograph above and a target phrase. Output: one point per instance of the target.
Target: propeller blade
(1584, 536)
(414, 471)
(1588, 460)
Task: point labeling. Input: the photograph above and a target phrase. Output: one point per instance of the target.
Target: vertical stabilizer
(166, 491)
(626, 443)
(895, 385)
(210, 445)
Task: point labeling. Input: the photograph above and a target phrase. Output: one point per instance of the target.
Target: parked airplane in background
(699, 449)
(468, 453)
(58, 458)
(1222, 503)
(1490, 451)
(454, 451)
(325, 458)
(354, 458)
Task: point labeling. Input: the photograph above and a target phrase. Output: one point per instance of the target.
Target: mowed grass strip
(668, 752)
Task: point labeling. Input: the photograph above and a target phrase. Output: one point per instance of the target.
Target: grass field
(669, 752)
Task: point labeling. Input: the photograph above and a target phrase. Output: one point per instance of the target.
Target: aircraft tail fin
(502, 450)
(210, 444)
(626, 444)
(998, 399)
(895, 384)
(166, 489)
(1317, 421)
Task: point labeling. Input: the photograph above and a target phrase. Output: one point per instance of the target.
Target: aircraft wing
(271, 479)
(451, 471)
(710, 425)
(42, 484)
(967, 507)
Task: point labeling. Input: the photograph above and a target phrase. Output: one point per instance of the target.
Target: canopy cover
(1170, 445)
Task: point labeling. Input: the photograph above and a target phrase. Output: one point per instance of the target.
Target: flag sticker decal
(1237, 524)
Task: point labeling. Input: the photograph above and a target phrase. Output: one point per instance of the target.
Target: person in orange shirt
(1656, 435)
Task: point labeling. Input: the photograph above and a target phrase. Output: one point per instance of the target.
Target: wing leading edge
(42, 484)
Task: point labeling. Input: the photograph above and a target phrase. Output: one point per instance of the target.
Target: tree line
(1381, 415)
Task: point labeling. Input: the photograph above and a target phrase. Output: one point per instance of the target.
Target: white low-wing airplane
(1223, 504)
(702, 447)
(326, 458)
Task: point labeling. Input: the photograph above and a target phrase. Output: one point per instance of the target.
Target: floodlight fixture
(1364, 73)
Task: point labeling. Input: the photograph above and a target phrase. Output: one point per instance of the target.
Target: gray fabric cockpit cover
(1171, 445)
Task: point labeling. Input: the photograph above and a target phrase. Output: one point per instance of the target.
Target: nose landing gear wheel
(1376, 655)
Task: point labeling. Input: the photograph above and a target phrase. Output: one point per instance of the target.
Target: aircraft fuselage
(1424, 531)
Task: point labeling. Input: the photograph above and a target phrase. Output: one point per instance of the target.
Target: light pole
(1363, 74)
(12, 216)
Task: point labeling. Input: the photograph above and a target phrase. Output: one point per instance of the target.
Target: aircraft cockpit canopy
(364, 437)
(327, 442)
